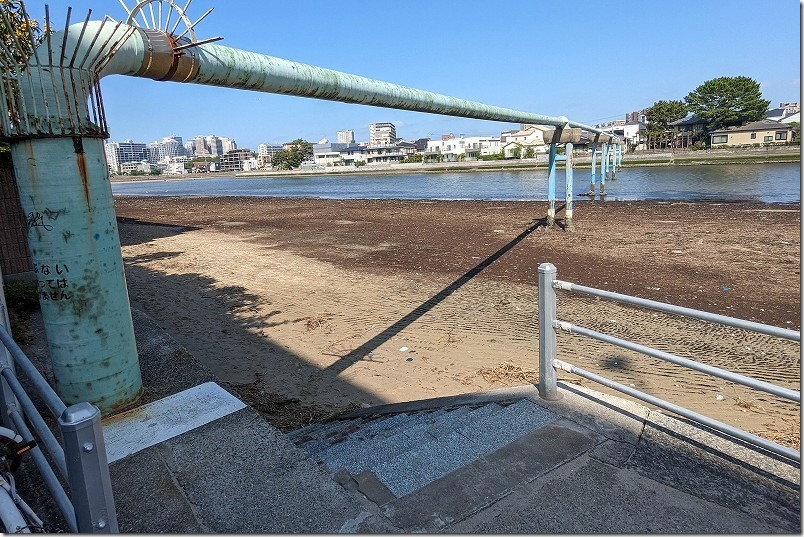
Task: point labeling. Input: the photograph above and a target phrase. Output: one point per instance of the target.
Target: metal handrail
(681, 310)
(548, 363)
(81, 460)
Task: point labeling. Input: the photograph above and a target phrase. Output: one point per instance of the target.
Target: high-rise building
(119, 153)
(170, 146)
(381, 134)
(227, 144)
(346, 137)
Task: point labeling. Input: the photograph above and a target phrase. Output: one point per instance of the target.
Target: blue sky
(591, 61)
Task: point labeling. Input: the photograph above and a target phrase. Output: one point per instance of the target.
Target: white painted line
(142, 427)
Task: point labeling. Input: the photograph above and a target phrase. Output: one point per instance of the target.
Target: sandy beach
(308, 306)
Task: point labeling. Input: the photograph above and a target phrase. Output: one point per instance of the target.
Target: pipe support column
(72, 233)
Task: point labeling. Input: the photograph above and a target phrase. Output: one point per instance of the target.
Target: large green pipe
(216, 65)
(52, 114)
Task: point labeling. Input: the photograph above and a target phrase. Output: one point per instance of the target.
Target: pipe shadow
(372, 344)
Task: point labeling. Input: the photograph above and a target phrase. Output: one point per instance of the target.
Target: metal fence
(80, 458)
(549, 324)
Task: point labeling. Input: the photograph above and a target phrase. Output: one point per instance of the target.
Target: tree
(297, 152)
(728, 101)
(660, 115)
(17, 32)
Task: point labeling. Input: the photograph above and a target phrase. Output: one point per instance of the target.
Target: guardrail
(80, 458)
(549, 324)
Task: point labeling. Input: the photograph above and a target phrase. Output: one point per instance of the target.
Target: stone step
(358, 454)
(428, 461)
(316, 438)
(364, 454)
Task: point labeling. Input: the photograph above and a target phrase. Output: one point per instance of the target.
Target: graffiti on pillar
(55, 287)
(37, 219)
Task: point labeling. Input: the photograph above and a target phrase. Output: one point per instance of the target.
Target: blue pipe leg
(551, 187)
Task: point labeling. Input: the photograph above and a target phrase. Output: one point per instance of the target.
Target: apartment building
(346, 136)
(381, 134)
(170, 146)
(451, 148)
(237, 160)
(119, 153)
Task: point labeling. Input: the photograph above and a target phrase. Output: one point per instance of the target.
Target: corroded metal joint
(162, 61)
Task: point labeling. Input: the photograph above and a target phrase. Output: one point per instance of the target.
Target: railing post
(551, 186)
(88, 469)
(569, 226)
(547, 335)
(6, 396)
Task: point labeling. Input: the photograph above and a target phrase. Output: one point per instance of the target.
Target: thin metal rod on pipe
(680, 310)
(197, 43)
(48, 476)
(678, 360)
(153, 17)
(70, 115)
(681, 411)
(80, 39)
(190, 28)
(38, 62)
(46, 436)
(49, 40)
(169, 14)
(54, 403)
(182, 14)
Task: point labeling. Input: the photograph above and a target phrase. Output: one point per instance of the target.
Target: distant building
(266, 152)
(174, 165)
(686, 130)
(140, 167)
(638, 117)
(170, 146)
(784, 111)
(234, 160)
(530, 137)
(421, 144)
(388, 154)
(765, 132)
(792, 118)
(346, 137)
(450, 149)
(212, 146)
(381, 134)
(326, 153)
(119, 153)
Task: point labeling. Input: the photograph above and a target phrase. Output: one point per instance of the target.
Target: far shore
(762, 155)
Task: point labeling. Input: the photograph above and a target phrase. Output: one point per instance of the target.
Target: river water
(768, 183)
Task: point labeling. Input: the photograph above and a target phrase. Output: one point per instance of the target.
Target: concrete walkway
(589, 463)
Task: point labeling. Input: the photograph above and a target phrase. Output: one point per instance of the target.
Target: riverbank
(328, 304)
(680, 158)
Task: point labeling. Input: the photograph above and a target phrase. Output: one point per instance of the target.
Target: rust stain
(82, 167)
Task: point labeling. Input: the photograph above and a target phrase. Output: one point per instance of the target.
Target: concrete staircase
(391, 456)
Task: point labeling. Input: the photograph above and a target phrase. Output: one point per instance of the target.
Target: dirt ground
(326, 304)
